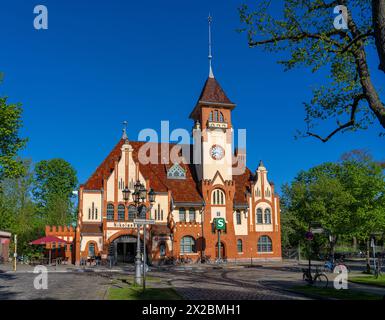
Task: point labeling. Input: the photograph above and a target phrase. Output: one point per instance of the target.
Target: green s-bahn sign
(220, 224)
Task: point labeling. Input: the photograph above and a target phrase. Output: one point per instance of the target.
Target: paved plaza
(192, 282)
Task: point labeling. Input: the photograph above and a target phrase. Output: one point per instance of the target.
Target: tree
(18, 212)
(55, 181)
(307, 32)
(10, 142)
(346, 198)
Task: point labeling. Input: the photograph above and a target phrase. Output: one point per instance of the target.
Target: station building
(194, 184)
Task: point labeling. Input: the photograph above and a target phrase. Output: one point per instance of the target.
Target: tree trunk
(367, 256)
(378, 13)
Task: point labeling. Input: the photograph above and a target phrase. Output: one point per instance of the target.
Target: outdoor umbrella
(46, 240)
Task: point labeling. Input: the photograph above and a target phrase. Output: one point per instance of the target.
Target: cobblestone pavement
(61, 286)
(196, 282)
(229, 284)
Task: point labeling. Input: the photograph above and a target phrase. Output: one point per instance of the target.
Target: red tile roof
(182, 190)
(213, 92)
(242, 186)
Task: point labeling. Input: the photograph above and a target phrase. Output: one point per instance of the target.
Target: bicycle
(337, 267)
(319, 279)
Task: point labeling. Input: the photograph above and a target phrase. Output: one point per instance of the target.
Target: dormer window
(176, 172)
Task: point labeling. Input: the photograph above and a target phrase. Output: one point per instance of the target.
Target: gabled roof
(182, 190)
(213, 92)
(185, 190)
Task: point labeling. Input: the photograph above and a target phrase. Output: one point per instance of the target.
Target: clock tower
(212, 116)
(213, 129)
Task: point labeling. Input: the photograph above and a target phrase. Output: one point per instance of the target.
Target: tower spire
(211, 74)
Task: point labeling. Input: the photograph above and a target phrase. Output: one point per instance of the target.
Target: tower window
(218, 197)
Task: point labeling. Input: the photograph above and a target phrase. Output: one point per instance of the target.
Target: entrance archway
(123, 249)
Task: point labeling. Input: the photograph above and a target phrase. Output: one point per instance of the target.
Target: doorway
(126, 252)
(223, 250)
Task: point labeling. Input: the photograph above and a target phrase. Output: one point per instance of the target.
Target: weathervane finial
(211, 74)
(124, 136)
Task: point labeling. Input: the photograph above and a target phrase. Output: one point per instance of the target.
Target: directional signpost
(220, 224)
(144, 222)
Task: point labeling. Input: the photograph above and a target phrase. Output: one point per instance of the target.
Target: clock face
(217, 152)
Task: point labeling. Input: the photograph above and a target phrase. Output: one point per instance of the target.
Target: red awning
(49, 239)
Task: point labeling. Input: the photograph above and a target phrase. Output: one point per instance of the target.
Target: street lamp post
(139, 197)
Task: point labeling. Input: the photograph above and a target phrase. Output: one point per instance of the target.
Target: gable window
(259, 217)
(121, 212)
(265, 244)
(176, 172)
(187, 245)
(182, 215)
(267, 216)
(239, 246)
(218, 197)
(191, 215)
(110, 212)
(238, 216)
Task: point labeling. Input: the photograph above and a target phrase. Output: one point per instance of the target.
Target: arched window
(259, 217)
(131, 213)
(121, 212)
(216, 116)
(267, 216)
(161, 214)
(218, 197)
(89, 213)
(191, 215)
(239, 245)
(91, 250)
(211, 117)
(96, 214)
(187, 245)
(110, 212)
(238, 215)
(265, 244)
(221, 119)
(182, 215)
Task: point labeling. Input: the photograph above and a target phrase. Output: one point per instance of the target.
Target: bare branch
(348, 124)
(356, 39)
(300, 37)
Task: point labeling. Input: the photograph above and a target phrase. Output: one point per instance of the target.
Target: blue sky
(100, 63)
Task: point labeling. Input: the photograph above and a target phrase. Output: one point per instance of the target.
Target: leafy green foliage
(10, 142)
(55, 181)
(347, 198)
